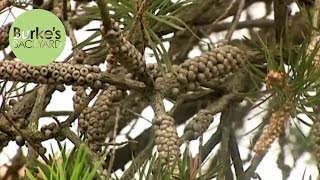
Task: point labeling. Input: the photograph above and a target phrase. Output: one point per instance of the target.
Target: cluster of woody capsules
(49, 131)
(315, 140)
(124, 52)
(5, 3)
(58, 8)
(93, 120)
(55, 73)
(167, 142)
(199, 124)
(4, 36)
(312, 46)
(213, 65)
(277, 123)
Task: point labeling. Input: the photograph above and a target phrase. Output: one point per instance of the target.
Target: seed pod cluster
(167, 142)
(55, 73)
(199, 124)
(315, 140)
(212, 65)
(58, 8)
(124, 52)
(4, 140)
(79, 96)
(276, 126)
(50, 130)
(314, 44)
(4, 35)
(98, 115)
(5, 3)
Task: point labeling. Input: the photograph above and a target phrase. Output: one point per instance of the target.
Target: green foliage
(75, 165)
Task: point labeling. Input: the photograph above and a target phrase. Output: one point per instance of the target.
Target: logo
(37, 37)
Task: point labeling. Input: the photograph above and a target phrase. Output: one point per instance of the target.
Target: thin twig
(56, 113)
(79, 109)
(225, 13)
(113, 152)
(104, 11)
(34, 120)
(235, 20)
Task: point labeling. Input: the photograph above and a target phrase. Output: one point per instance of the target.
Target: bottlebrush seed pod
(75, 74)
(84, 72)
(55, 74)
(51, 68)
(44, 71)
(10, 69)
(63, 71)
(4, 31)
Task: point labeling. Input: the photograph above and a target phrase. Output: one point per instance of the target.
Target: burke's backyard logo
(37, 37)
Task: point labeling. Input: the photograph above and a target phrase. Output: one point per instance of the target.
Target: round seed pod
(71, 69)
(2, 70)
(60, 80)
(48, 133)
(81, 80)
(10, 69)
(201, 67)
(20, 141)
(97, 84)
(67, 78)
(12, 102)
(42, 150)
(63, 71)
(35, 74)
(28, 77)
(182, 79)
(90, 78)
(23, 72)
(58, 66)
(55, 74)
(75, 74)
(18, 65)
(42, 80)
(15, 73)
(84, 72)
(96, 69)
(51, 68)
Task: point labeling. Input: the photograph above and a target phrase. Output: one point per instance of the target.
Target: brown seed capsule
(19, 65)
(75, 74)
(28, 77)
(71, 69)
(55, 74)
(51, 68)
(2, 70)
(48, 133)
(42, 80)
(44, 71)
(12, 102)
(84, 72)
(16, 73)
(81, 80)
(90, 78)
(9, 68)
(67, 78)
(182, 79)
(201, 67)
(96, 69)
(63, 71)
(19, 140)
(60, 80)
(35, 74)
